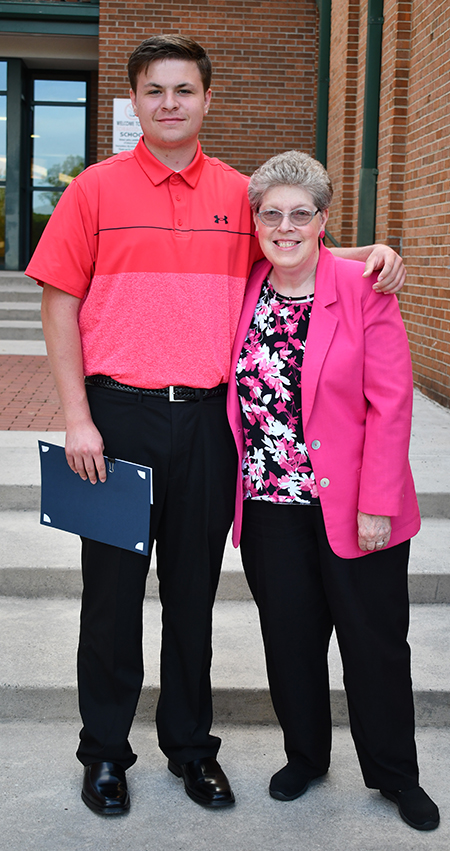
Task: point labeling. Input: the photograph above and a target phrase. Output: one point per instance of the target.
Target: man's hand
(84, 452)
(392, 271)
(374, 531)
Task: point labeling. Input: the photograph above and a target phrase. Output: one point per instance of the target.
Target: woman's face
(287, 246)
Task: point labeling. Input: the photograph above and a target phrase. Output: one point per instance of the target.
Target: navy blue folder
(114, 512)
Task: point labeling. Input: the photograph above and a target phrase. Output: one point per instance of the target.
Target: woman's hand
(374, 531)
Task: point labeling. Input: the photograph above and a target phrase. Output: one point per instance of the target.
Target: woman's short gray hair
(292, 168)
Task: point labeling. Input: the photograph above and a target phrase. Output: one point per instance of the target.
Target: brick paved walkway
(28, 398)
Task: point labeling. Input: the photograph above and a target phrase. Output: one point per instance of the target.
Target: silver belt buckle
(172, 395)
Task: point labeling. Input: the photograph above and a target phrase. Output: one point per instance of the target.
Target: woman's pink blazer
(356, 403)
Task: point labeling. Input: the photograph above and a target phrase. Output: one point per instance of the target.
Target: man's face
(170, 102)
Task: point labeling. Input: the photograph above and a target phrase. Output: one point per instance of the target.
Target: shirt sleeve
(65, 254)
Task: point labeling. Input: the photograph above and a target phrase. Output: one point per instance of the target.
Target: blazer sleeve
(388, 388)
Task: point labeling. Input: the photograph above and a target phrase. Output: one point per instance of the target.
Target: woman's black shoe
(415, 807)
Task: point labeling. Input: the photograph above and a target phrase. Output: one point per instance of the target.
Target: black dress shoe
(105, 788)
(415, 807)
(204, 781)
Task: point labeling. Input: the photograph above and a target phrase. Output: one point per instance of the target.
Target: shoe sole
(279, 796)
(176, 770)
(105, 811)
(427, 825)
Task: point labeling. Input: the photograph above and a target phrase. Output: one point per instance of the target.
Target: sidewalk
(28, 395)
(42, 809)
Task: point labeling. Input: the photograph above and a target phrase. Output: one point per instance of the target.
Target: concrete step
(15, 286)
(22, 497)
(27, 293)
(15, 329)
(38, 665)
(20, 319)
(20, 310)
(39, 562)
(42, 809)
(22, 347)
(45, 562)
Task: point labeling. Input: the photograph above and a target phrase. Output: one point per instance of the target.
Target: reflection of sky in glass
(60, 90)
(3, 67)
(60, 133)
(2, 222)
(2, 136)
(45, 202)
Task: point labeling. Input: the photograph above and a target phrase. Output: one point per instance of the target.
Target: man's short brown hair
(169, 47)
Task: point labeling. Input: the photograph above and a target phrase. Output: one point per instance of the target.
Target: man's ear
(208, 96)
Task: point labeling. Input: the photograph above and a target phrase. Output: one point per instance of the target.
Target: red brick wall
(264, 60)
(426, 210)
(393, 132)
(413, 201)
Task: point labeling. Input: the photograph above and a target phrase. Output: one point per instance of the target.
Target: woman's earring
(322, 234)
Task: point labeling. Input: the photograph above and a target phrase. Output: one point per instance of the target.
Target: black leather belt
(172, 393)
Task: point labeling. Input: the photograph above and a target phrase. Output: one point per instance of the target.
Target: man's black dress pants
(191, 450)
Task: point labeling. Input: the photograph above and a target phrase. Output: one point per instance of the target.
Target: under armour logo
(217, 219)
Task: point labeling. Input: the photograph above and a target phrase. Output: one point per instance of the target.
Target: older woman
(321, 413)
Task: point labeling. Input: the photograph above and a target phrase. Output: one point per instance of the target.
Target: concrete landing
(42, 808)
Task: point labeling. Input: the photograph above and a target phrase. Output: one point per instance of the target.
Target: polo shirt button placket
(177, 193)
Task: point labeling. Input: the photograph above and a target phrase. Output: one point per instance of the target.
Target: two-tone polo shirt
(159, 260)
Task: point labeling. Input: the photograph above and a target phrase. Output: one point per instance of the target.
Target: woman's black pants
(191, 450)
(302, 590)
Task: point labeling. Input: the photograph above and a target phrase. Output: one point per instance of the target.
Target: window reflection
(59, 140)
(2, 223)
(3, 84)
(2, 137)
(58, 145)
(43, 205)
(60, 90)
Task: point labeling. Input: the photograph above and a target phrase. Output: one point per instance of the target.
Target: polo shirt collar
(158, 172)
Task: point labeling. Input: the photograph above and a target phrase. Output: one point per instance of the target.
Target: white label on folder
(46, 518)
(139, 546)
(45, 448)
(142, 474)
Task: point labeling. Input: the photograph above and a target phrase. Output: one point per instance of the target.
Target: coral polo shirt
(159, 260)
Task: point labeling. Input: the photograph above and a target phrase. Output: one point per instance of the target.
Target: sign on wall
(126, 127)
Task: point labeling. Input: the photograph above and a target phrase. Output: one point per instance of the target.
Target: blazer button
(324, 483)
(315, 444)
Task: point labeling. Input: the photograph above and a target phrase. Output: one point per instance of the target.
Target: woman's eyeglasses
(298, 217)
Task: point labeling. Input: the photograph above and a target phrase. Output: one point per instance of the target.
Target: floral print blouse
(276, 466)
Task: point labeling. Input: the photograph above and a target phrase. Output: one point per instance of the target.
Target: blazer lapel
(259, 272)
(322, 327)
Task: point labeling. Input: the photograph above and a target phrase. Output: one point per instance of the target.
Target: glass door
(3, 70)
(59, 144)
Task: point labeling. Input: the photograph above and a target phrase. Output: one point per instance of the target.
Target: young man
(144, 264)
